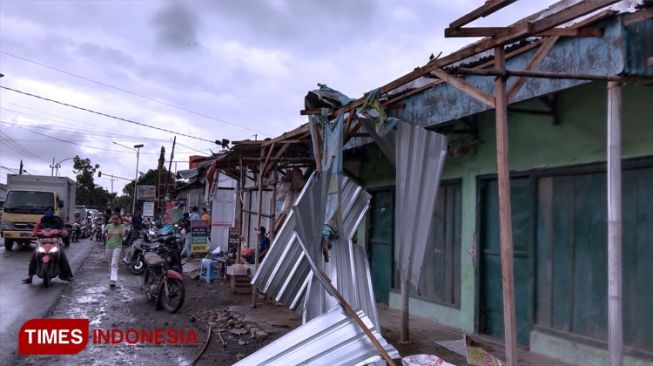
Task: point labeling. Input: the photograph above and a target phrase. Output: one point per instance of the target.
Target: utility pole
(165, 190)
(52, 168)
(138, 154)
(20, 169)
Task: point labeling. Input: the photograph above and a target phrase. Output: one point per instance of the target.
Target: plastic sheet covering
(420, 157)
(331, 339)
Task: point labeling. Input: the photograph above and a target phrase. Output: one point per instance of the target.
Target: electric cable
(103, 114)
(132, 93)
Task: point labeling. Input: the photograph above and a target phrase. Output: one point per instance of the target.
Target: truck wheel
(9, 243)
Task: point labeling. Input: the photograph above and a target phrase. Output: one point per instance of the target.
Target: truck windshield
(25, 202)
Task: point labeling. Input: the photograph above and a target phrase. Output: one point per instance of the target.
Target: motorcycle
(163, 283)
(96, 231)
(75, 232)
(48, 245)
(134, 255)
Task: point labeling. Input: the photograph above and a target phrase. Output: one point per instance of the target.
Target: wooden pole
(352, 313)
(505, 210)
(615, 320)
(259, 216)
(405, 312)
(240, 198)
(274, 204)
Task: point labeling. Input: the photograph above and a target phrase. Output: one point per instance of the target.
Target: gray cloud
(176, 27)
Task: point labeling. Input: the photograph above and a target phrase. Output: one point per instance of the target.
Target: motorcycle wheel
(137, 266)
(172, 295)
(46, 280)
(147, 283)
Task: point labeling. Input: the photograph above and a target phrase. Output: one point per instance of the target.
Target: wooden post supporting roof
(259, 216)
(615, 222)
(505, 211)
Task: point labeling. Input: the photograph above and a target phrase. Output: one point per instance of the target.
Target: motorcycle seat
(152, 259)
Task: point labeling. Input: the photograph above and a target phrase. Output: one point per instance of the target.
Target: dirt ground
(237, 329)
(126, 307)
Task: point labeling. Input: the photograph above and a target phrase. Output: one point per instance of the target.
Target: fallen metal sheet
(419, 167)
(331, 339)
(286, 273)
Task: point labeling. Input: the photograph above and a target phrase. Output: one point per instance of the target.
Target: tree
(150, 178)
(88, 193)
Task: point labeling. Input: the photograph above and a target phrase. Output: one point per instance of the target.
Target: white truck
(27, 198)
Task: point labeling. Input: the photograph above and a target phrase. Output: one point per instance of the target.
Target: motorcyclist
(50, 221)
(78, 221)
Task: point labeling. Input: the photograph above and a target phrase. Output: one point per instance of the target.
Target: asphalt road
(20, 302)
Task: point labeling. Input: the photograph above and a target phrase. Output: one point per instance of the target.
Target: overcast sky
(211, 69)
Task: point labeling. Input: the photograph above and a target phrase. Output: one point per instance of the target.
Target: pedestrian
(115, 232)
(205, 215)
(194, 215)
(185, 224)
(137, 223)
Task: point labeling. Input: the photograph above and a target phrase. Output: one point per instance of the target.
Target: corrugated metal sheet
(286, 273)
(331, 339)
(420, 159)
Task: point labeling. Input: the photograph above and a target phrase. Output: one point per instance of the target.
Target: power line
(131, 93)
(87, 131)
(18, 147)
(104, 114)
(67, 122)
(75, 143)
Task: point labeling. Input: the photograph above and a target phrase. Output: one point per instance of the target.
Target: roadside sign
(199, 231)
(148, 209)
(146, 192)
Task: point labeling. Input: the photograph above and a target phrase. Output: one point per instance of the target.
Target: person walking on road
(115, 232)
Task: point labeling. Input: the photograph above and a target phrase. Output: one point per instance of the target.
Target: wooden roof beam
(484, 10)
(532, 65)
(465, 87)
(493, 31)
(564, 16)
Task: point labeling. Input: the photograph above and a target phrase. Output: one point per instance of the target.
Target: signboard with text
(234, 238)
(148, 209)
(199, 231)
(146, 192)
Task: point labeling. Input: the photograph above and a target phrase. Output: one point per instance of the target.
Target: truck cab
(26, 201)
(22, 210)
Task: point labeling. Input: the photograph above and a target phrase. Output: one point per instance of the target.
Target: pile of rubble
(228, 326)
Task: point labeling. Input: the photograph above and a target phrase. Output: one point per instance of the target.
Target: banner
(199, 231)
(146, 192)
(234, 238)
(148, 209)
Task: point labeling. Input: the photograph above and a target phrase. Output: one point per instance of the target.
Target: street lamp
(57, 166)
(138, 153)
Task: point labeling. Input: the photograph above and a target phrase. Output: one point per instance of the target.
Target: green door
(380, 246)
(491, 301)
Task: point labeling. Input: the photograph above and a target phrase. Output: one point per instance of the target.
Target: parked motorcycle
(134, 255)
(163, 283)
(48, 245)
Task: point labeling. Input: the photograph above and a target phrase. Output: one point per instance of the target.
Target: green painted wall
(576, 353)
(534, 143)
